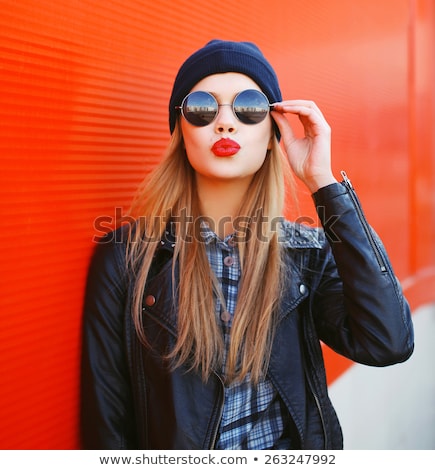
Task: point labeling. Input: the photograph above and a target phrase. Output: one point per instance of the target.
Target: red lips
(225, 148)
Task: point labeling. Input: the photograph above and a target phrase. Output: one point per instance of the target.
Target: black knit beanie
(219, 56)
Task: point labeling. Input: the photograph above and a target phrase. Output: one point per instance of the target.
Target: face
(242, 156)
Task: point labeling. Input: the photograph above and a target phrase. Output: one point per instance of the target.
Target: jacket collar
(295, 235)
(291, 234)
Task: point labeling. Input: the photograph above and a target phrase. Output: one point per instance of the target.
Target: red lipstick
(225, 148)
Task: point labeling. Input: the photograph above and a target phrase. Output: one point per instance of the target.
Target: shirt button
(150, 300)
(302, 289)
(229, 261)
(225, 316)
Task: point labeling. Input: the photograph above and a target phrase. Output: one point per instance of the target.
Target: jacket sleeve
(107, 419)
(359, 307)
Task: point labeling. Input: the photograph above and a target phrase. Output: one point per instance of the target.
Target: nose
(225, 120)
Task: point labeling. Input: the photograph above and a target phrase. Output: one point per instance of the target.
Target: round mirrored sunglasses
(200, 108)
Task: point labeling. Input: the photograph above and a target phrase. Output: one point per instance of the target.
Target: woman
(203, 319)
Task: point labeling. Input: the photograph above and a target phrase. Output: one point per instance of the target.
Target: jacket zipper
(346, 182)
(220, 412)
(322, 419)
(313, 389)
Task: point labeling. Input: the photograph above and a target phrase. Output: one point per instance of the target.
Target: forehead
(228, 83)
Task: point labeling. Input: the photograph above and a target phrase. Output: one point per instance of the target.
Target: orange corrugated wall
(84, 89)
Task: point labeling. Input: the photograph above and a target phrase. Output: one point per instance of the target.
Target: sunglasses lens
(251, 106)
(199, 108)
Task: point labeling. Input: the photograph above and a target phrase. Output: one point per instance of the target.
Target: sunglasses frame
(181, 107)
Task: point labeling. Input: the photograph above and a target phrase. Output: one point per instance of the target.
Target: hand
(310, 156)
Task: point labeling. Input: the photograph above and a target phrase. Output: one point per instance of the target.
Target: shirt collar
(208, 236)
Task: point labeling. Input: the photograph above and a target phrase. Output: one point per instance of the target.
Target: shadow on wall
(391, 408)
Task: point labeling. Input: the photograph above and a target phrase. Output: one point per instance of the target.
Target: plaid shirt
(254, 417)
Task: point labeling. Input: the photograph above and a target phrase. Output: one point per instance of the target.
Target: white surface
(391, 407)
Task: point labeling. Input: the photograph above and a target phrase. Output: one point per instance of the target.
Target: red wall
(83, 116)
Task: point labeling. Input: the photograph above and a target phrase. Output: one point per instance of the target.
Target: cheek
(195, 144)
(194, 136)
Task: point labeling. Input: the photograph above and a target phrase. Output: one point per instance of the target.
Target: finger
(303, 103)
(301, 107)
(309, 114)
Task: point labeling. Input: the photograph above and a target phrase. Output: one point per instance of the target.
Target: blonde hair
(200, 342)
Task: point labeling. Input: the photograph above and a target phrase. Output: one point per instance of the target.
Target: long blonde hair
(170, 189)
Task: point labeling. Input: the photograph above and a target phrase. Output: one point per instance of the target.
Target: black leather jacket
(342, 292)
